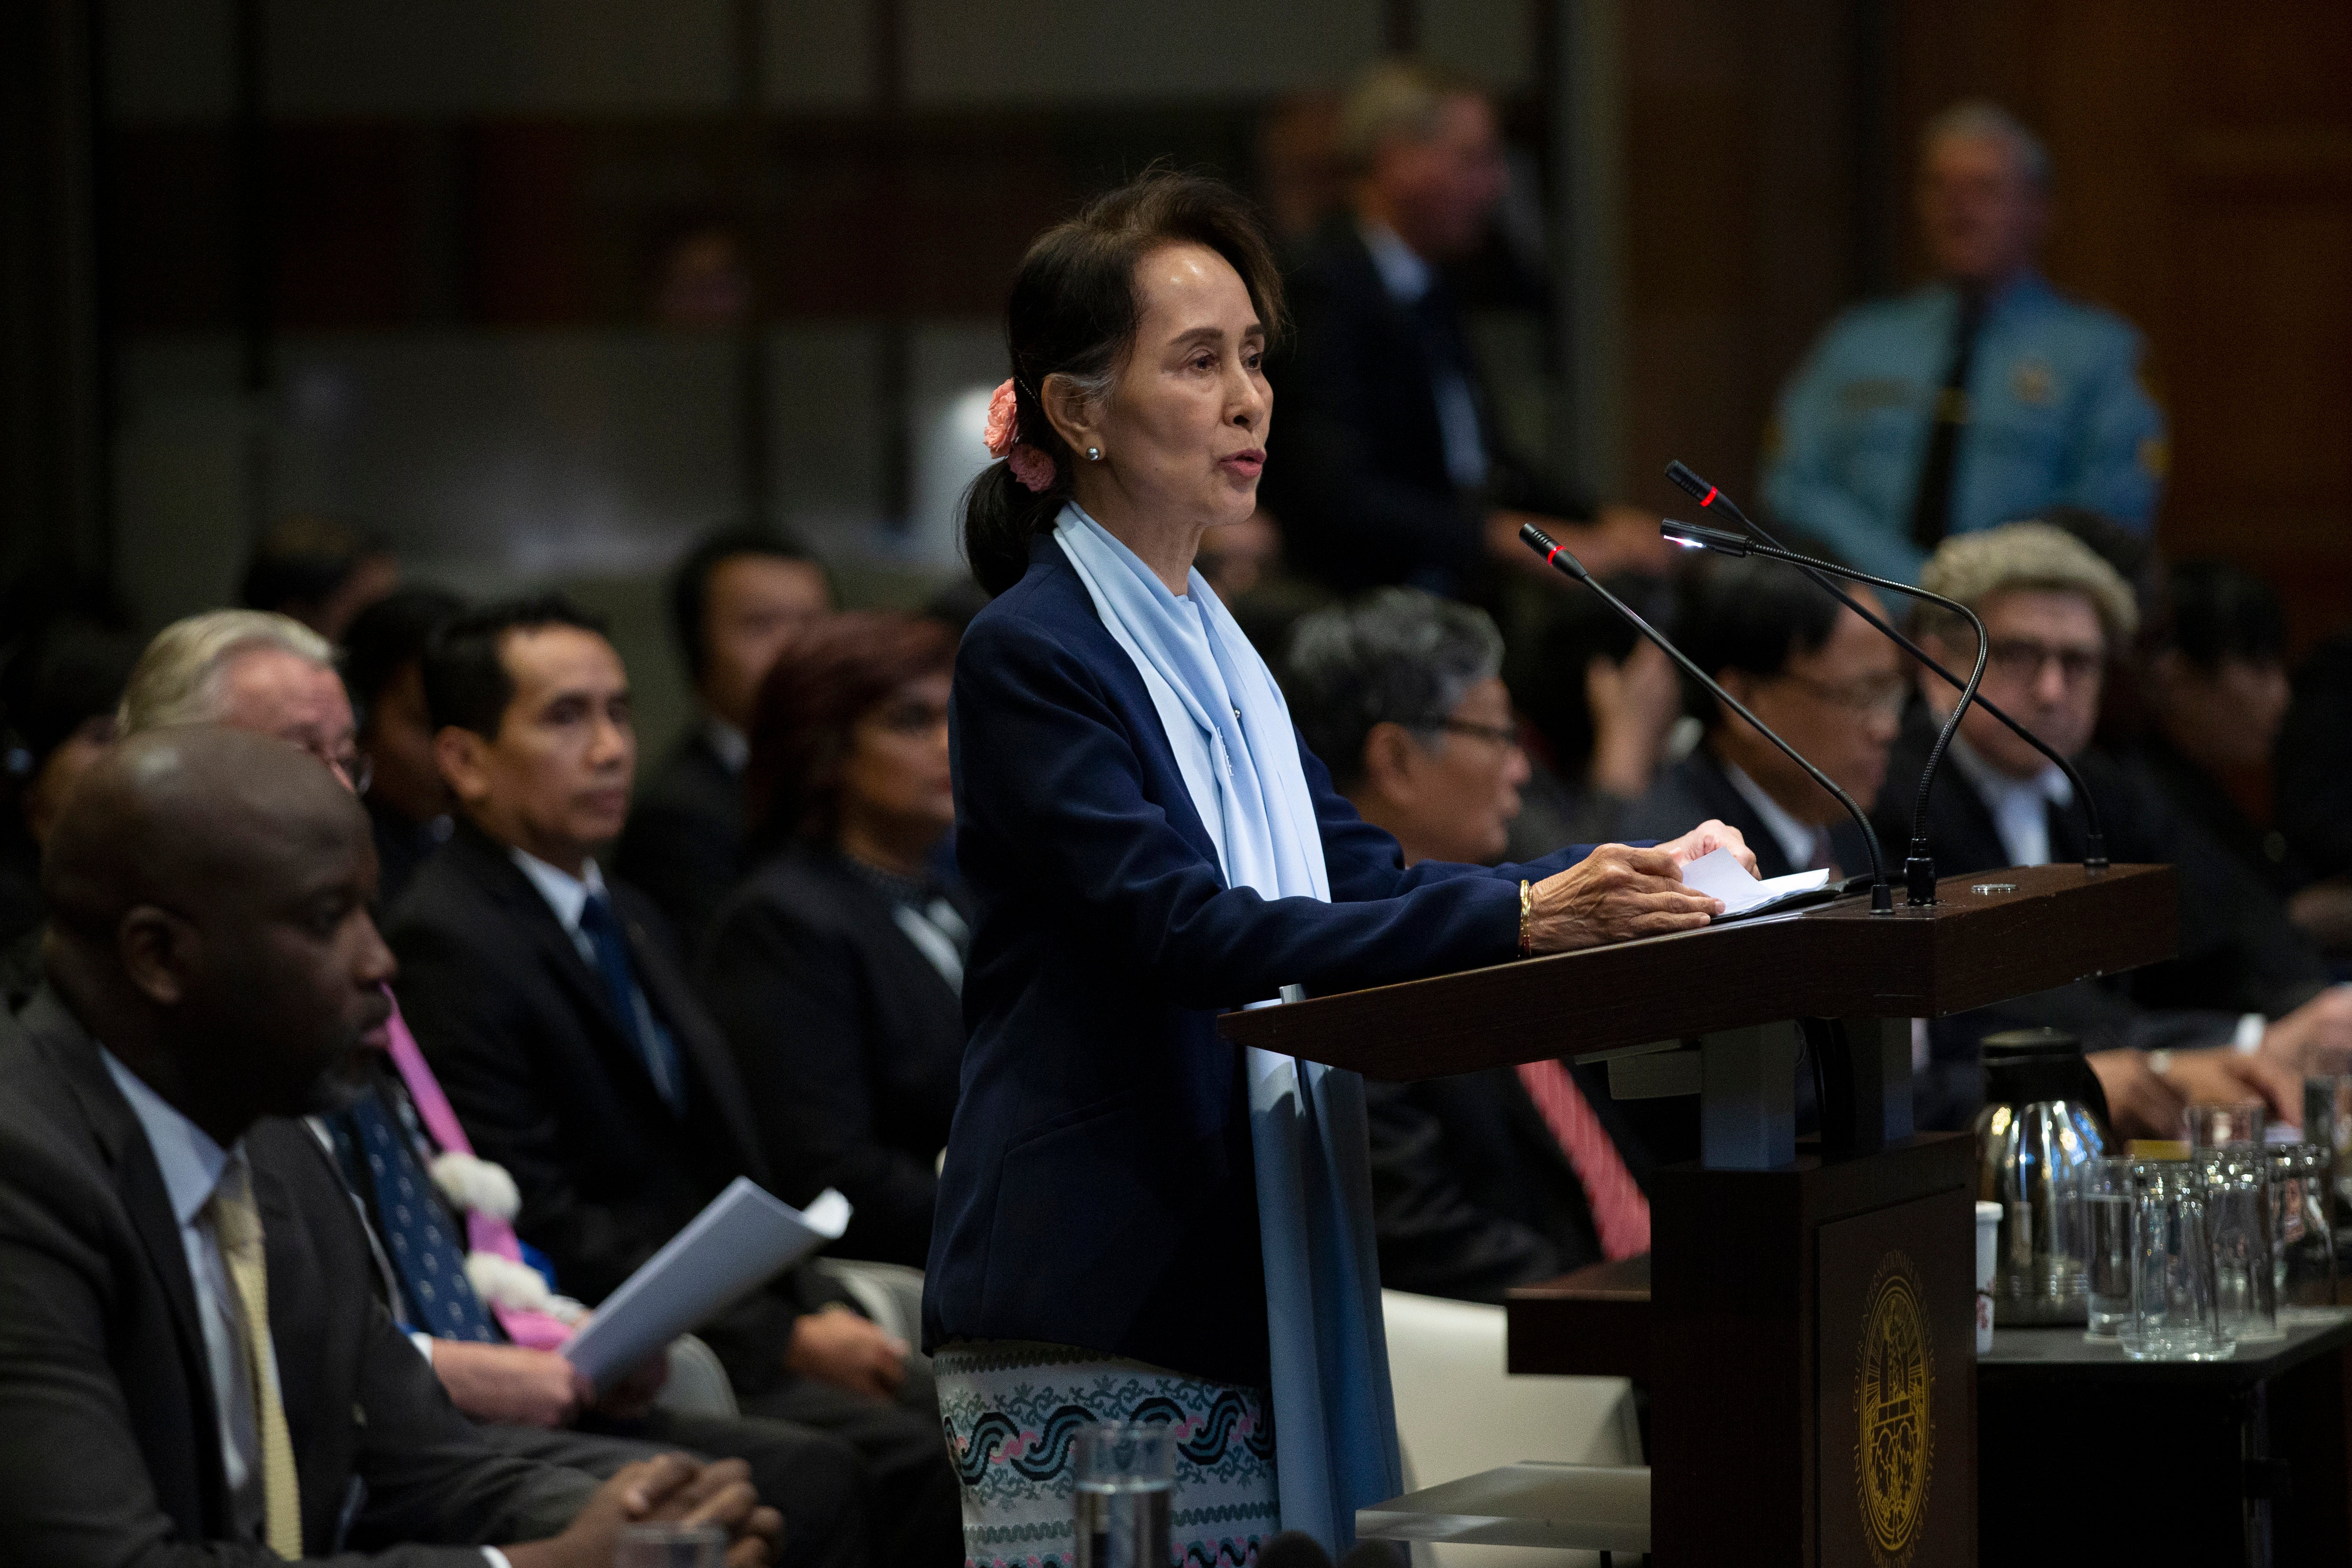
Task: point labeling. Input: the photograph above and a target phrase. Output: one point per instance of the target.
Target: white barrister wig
(477, 1185)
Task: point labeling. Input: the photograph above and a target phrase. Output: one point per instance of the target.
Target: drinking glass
(2239, 1230)
(2301, 1179)
(2104, 1185)
(671, 1546)
(2328, 1120)
(2173, 1315)
(2211, 1126)
(1127, 1476)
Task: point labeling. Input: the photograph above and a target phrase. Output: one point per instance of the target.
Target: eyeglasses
(353, 768)
(1883, 695)
(1504, 735)
(2022, 659)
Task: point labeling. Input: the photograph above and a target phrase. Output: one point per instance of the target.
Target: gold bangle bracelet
(1527, 920)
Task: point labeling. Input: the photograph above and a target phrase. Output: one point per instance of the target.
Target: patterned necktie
(1620, 1213)
(236, 1227)
(1931, 504)
(601, 924)
(440, 1299)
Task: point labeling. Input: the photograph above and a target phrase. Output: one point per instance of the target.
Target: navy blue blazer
(1097, 1190)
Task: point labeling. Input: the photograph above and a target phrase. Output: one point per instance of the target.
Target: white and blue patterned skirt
(1011, 1409)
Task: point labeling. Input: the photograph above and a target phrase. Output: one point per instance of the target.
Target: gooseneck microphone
(1919, 870)
(1881, 897)
(1709, 498)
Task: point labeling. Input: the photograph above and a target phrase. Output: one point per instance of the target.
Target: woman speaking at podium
(1136, 1220)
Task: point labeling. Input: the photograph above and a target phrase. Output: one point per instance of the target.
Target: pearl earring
(1094, 454)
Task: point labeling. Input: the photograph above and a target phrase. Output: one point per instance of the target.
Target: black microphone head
(1292, 1549)
(1690, 484)
(1537, 540)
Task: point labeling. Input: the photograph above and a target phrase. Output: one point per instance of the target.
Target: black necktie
(601, 924)
(1931, 506)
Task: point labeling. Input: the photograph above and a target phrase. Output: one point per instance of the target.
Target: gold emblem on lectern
(1895, 1424)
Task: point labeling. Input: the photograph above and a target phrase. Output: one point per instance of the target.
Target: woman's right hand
(1615, 893)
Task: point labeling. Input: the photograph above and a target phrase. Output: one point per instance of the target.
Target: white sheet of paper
(736, 1242)
(1720, 875)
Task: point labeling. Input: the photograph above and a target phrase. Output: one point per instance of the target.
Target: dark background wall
(403, 265)
(2204, 168)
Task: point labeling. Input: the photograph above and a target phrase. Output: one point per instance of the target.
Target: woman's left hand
(1706, 839)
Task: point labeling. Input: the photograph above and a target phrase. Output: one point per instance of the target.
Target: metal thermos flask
(2044, 1115)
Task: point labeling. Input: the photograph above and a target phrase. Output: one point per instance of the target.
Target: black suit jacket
(849, 1041)
(684, 845)
(526, 1042)
(2313, 767)
(2239, 952)
(2204, 800)
(1357, 477)
(1697, 788)
(110, 1446)
(1472, 1194)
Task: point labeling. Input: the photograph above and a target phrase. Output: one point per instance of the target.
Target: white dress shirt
(1408, 279)
(2019, 808)
(733, 746)
(192, 1166)
(566, 894)
(1802, 842)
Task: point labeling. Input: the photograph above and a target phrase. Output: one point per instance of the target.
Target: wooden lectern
(1806, 1323)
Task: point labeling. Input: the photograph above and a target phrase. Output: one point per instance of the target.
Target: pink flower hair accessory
(1032, 467)
(1004, 421)
(1030, 463)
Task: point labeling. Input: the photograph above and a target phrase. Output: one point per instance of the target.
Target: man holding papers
(188, 1372)
(578, 1060)
(1816, 672)
(436, 1214)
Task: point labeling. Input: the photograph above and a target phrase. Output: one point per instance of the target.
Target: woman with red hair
(836, 969)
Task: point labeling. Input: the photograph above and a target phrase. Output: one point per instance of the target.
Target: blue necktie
(601, 926)
(440, 1300)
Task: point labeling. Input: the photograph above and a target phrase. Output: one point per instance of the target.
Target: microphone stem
(1919, 874)
(1881, 898)
(2095, 835)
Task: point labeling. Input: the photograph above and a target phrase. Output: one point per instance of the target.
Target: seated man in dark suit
(181, 1379)
(1485, 1180)
(2216, 697)
(2246, 1008)
(737, 597)
(1824, 678)
(1392, 468)
(526, 1396)
(578, 1059)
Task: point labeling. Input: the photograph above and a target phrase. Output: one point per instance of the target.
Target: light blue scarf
(1334, 1417)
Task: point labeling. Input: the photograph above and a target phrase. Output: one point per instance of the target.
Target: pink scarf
(484, 1232)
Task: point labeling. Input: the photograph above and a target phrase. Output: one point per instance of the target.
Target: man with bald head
(211, 965)
(264, 673)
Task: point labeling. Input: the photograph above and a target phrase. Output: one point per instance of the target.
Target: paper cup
(1988, 1256)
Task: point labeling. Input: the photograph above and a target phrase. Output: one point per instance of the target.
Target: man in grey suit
(211, 963)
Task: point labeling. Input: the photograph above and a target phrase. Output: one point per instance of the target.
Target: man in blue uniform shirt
(1983, 397)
